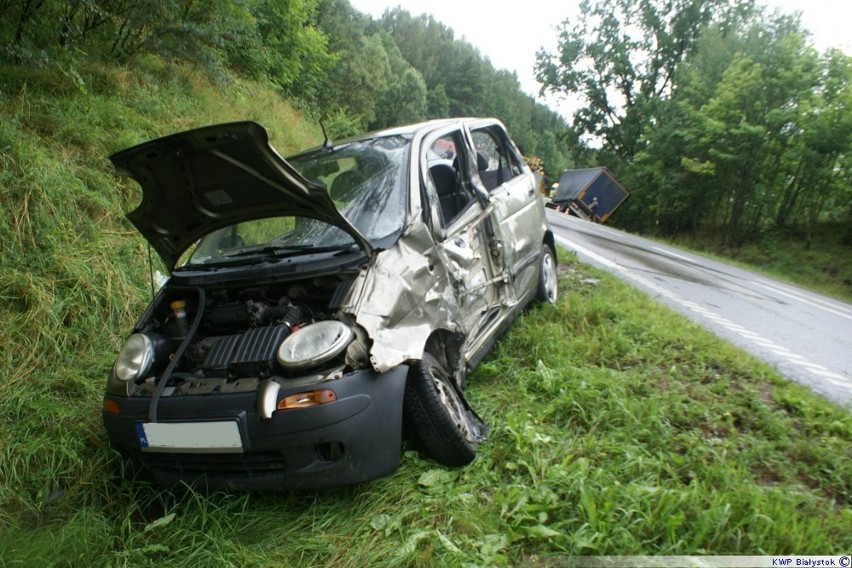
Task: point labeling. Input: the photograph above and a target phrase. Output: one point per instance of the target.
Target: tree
(294, 48)
(428, 45)
(437, 103)
(403, 100)
(716, 114)
(817, 174)
(360, 77)
(621, 57)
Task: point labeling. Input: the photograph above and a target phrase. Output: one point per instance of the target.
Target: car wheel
(448, 430)
(548, 285)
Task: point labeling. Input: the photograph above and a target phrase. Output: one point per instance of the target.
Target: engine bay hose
(164, 378)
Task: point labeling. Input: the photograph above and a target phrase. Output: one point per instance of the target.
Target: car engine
(227, 339)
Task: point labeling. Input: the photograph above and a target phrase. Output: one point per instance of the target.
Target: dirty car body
(312, 299)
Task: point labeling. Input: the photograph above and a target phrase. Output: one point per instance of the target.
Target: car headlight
(135, 358)
(314, 344)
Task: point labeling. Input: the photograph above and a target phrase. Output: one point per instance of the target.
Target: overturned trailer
(591, 193)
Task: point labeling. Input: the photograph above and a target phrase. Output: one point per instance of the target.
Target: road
(805, 336)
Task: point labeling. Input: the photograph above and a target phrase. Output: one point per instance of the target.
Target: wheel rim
(548, 269)
(451, 401)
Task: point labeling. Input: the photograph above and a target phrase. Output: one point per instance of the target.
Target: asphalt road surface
(805, 336)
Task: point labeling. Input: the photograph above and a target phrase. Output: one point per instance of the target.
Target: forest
(720, 116)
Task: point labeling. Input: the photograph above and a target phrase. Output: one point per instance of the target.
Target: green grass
(617, 427)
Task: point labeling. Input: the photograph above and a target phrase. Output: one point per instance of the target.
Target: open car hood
(198, 181)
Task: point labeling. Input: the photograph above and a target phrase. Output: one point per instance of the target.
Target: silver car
(317, 303)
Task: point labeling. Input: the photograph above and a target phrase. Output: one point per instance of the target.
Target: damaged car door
(512, 192)
(465, 236)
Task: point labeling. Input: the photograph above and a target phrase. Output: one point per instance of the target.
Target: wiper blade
(286, 250)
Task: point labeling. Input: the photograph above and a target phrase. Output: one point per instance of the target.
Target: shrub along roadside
(616, 426)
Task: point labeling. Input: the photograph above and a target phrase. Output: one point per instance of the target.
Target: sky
(511, 36)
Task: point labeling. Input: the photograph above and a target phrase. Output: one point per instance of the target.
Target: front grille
(237, 465)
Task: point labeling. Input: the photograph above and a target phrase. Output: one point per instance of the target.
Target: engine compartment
(225, 339)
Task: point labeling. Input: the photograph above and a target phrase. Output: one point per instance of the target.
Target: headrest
(444, 177)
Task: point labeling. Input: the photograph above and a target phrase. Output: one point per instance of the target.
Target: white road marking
(792, 358)
(790, 289)
(670, 253)
(809, 302)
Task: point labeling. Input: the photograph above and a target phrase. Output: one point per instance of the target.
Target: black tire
(439, 417)
(548, 280)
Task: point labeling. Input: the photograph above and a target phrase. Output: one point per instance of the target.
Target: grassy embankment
(617, 427)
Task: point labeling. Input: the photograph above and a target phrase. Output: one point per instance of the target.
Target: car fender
(404, 297)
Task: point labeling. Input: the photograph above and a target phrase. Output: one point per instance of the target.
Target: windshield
(273, 236)
(365, 180)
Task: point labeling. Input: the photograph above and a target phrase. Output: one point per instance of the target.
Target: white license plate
(189, 437)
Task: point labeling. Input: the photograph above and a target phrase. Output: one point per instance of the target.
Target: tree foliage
(461, 82)
(719, 115)
(356, 72)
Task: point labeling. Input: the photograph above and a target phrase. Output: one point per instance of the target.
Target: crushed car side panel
(404, 297)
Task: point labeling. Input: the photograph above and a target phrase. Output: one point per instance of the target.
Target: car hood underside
(198, 181)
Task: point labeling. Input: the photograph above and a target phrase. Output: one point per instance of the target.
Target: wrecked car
(315, 303)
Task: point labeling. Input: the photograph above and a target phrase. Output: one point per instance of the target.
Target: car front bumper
(355, 438)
